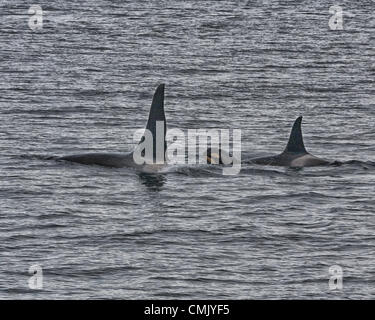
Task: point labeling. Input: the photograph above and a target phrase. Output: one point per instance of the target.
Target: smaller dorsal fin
(295, 143)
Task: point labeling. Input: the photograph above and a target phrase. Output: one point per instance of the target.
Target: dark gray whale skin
(120, 160)
(115, 160)
(291, 160)
(295, 154)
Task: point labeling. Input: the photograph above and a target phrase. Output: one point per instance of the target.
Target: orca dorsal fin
(157, 109)
(295, 143)
(156, 119)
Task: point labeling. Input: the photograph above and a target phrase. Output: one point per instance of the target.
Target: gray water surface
(84, 83)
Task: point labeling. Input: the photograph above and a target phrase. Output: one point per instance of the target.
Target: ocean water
(84, 83)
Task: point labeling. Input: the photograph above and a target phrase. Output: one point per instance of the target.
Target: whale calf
(119, 160)
(295, 154)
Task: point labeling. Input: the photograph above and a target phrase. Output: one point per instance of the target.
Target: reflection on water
(153, 182)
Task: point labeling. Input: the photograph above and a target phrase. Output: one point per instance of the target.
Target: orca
(295, 154)
(120, 160)
(214, 156)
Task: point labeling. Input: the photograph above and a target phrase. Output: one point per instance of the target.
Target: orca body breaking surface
(295, 154)
(115, 160)
(120, 160)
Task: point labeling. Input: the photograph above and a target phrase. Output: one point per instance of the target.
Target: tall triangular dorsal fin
(156, 118)
(295, 143)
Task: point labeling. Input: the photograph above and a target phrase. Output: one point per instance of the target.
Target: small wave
(358, 163)
(261, 171)
(195, 171)
(89, 272)
(38, 157)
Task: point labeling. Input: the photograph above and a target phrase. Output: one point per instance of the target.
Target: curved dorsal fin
(295, 143)
(157, 109)
(156, 118)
